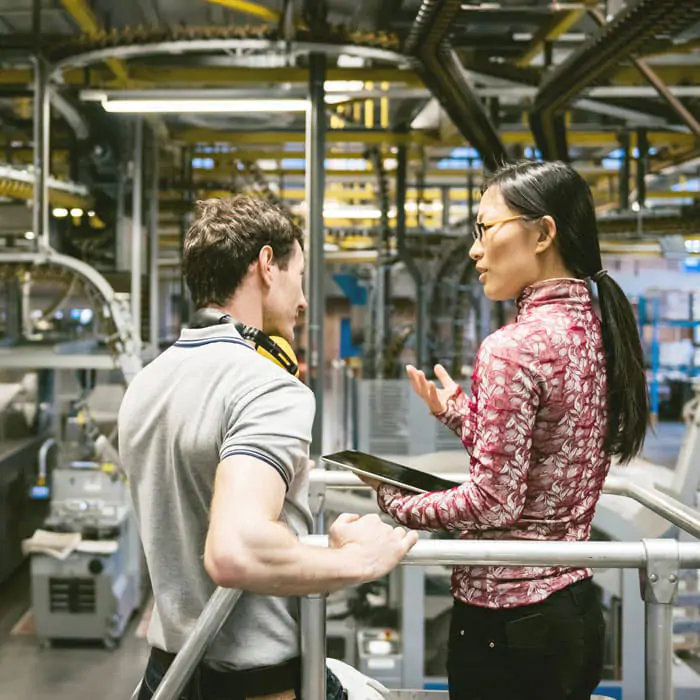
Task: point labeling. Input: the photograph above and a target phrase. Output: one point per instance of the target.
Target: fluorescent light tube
(191, 106)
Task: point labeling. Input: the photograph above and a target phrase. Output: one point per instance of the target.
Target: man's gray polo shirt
(207, 397)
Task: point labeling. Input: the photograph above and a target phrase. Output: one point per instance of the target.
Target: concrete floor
(62, 672)
(70, 672)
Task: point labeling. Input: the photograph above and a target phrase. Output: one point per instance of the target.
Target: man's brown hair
(224, 240)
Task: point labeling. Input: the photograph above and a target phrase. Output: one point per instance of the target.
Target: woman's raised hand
(435, 398)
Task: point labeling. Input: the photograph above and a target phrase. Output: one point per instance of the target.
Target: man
(215, 439)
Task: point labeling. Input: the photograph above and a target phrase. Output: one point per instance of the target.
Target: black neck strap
(204, 318)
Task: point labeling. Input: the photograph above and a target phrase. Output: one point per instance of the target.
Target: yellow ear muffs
(283, 345)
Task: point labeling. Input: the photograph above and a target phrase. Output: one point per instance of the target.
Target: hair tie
(599, 275)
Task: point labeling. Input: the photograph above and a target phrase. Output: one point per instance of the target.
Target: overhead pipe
(616, 41)
(655, 81)
(442, 72)
(72, 116)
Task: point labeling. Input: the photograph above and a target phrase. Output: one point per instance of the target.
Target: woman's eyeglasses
(481, 226)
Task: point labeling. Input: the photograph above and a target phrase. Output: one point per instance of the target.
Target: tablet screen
(389, 472)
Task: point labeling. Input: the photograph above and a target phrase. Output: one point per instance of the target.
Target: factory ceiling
(460, 85)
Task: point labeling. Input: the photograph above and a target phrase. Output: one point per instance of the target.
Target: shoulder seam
(247, 452)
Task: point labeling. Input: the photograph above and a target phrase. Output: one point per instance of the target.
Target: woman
(555, 396)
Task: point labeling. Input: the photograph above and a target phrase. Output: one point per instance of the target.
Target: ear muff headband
(204, 318)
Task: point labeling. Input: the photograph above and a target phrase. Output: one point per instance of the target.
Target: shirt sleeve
(458, 416)
(273, 424)
(506, 395)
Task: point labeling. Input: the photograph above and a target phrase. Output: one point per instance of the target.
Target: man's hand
(374, 547)
(435, 398)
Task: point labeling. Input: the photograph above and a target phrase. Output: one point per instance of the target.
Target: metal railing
(658, 561)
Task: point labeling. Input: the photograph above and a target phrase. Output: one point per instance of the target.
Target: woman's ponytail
(628, 399)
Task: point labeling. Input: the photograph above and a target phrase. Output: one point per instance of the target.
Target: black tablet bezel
(389, 472)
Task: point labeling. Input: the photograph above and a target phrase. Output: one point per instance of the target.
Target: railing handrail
(611, 555)
(463, 552)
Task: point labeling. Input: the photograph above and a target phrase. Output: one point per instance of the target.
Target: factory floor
(88, 671)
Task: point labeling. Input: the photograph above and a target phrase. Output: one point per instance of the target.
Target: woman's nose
(476, 252)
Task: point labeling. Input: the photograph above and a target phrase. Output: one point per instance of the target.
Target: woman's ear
(548, 232)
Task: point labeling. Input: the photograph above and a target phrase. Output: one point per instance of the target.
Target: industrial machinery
(380, 656)
(89, 585)
(20, 441)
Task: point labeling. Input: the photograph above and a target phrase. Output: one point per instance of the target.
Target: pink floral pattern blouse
(535, 429)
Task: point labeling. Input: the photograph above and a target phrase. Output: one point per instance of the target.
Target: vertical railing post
(313, 647)
(659, 583)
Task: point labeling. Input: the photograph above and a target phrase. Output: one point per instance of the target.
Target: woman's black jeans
(551, 650)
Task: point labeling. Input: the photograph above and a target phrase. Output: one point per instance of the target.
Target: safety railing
(659, 562)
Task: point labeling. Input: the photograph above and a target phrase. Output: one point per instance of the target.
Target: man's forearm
(269, 560)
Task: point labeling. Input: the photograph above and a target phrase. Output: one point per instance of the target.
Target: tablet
(389, 472)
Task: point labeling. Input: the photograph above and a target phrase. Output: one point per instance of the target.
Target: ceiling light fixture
(163, 106)
(343, 85)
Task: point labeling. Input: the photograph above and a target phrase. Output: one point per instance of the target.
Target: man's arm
(247, 547)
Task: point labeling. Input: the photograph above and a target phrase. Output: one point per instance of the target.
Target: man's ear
(548, 232)
(266, 261)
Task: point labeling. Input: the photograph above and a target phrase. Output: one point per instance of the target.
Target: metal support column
(119, 245)
(154, 250)
(406, 257)
(632, 633)
(313, 647)
(42, 135)
(413, 626)
(315, 190)
(185, 222)
(136, 220)
(470, 197)
(624, 184)
(445, 192)
(659, 587)
(642, 157)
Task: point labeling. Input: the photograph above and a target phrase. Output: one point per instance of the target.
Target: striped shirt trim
(208, 341)
(261, 456)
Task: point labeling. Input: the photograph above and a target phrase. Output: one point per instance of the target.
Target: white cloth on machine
(357, 685)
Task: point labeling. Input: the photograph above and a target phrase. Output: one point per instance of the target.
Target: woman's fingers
(418, 382)
(444, 378)
(425, 389)
(434, 402)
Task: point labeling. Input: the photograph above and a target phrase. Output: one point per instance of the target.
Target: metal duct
(623, 36)
(442, 72)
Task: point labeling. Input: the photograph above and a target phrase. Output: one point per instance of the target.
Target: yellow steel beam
(202, 135)
(249, 8)
(84, 16)
(549, 33)
(212, 76)
(415, 138)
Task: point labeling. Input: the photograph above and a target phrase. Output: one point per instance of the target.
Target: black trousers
(551, 650)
